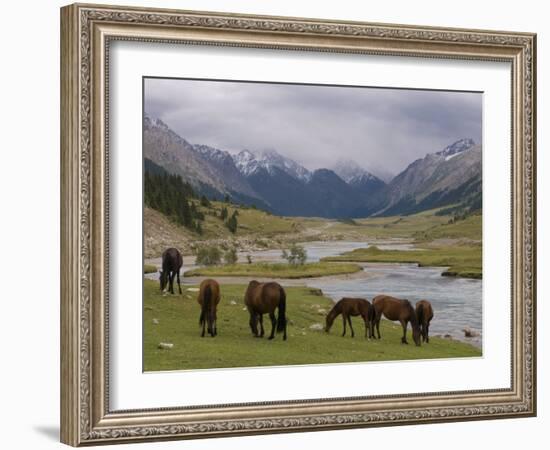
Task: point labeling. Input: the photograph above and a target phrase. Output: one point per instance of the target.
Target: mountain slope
(363, 182)
(249, 162)
(225, 166)
(167, 149)
(435, 180)
(280, 185)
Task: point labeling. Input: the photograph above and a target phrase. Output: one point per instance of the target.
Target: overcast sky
(316, 125)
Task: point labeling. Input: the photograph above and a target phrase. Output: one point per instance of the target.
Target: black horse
(171, 265)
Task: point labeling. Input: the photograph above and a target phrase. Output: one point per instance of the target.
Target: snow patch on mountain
(456, 147)
(250, 162)
(352, 173)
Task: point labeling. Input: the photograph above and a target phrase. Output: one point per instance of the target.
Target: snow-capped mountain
(249, 163)
(351, 172)
(449, 176)
(456, 147)
(223, 163)
(359, 179)
(274, 182)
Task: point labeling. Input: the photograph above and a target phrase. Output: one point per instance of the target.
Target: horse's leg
(262, 331)
(344, 320)
(253, 324)
(203, 321)
(213, 323)
(377, 323)
(351, 327)
(367, 327)
(427, 333)
(171, 278)
(179, 284)
(273, 323)
(404, 325)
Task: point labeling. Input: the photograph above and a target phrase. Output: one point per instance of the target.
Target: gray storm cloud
(316, 125)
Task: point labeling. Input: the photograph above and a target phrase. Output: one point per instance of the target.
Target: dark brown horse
(352, 307)
(171, 265)
(424, 314)
(264, 298)
(209, 297)
(395, 309)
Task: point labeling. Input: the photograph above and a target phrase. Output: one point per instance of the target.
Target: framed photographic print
(277, 224)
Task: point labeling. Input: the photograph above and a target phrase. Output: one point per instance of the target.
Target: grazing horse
(171, 265)
(395, 309)
(209, 297)
(264, 298)
(352, 307)
(424, 314)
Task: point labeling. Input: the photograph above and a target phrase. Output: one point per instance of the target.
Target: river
(457, 302)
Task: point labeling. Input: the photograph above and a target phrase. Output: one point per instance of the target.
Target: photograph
(291, 220)
(298, 224)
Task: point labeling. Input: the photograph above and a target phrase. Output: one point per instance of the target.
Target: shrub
(231, 223)
(204, 201)
(295, 255)
(230, 256)
(208, 256)
(223, 213)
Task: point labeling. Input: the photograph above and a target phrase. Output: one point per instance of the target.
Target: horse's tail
(420, 314)
(281, 319)
(206, 300)
(371, 313)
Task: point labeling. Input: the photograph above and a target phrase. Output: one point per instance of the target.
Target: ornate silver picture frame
(87, 32)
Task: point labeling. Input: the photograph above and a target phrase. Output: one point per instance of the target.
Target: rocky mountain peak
(457, 147)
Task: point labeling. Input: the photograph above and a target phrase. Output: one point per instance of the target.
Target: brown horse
(352, 307)
(209, 297)
(264, 298)
(395, 309)
(424, 314)
(171, 265)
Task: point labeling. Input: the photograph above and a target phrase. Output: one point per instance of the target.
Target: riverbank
(276, 270)
(461, 260)
(258, 230)
(174, 319)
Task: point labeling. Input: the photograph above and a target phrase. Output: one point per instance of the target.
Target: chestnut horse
(264, 298)
(395, 309)
(171, 265)
(424, 314)
(209, 297)
(352, 307)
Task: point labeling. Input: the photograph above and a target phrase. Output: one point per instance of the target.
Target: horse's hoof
(270, 337)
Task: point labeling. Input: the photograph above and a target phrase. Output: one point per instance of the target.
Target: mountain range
(282, 186)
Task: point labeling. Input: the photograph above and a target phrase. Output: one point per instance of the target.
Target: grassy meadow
(463, 261)
(174, 319)
(276, 270)
(444, 243)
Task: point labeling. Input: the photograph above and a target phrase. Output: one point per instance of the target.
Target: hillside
(448, 177)
(276, 183)
(256, 230)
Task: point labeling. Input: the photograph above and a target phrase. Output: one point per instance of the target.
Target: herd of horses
(266, 298)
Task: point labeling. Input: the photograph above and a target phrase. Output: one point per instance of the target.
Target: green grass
(276, 270)
(250, 221)
(177, 318)
(462, 260)
(468, 228)
(149, 268)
